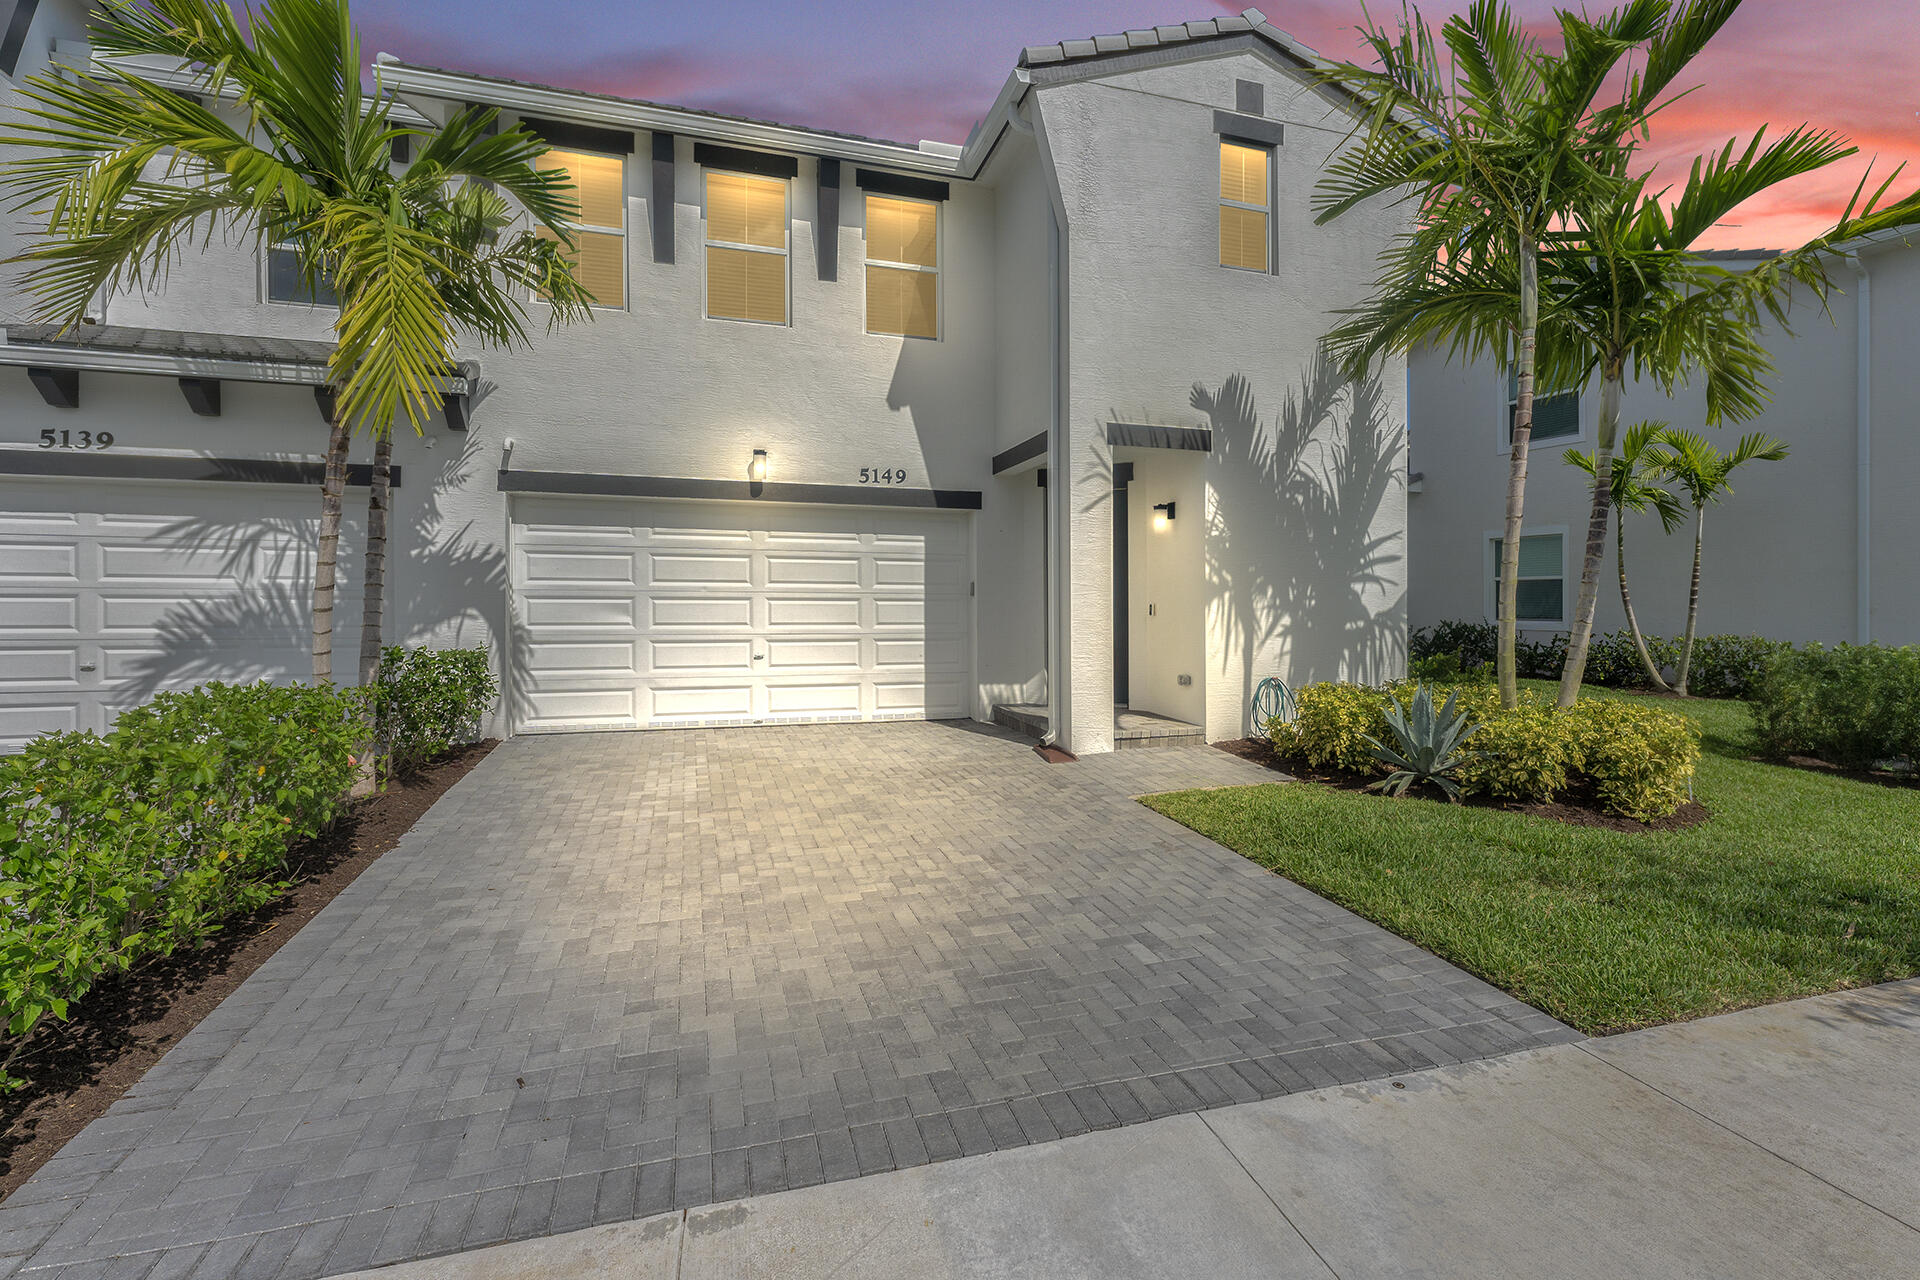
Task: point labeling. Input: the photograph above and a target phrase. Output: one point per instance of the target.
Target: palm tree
(129, 175)
(1632, 486)
(1633, 297)
(1496, 150)
(1703, 472)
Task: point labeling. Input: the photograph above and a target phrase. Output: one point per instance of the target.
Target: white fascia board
(994, 123)
(171, 74)
(616, 114)
(94, 360)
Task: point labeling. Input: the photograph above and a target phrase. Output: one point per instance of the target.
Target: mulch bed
(1576, 810)
(77, 1069)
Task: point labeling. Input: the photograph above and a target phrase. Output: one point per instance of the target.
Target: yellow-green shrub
(1331, 724)
(1639, 759)
(1528, 753)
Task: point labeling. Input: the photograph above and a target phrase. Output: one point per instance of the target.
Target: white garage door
(636, 614)
(111, 591)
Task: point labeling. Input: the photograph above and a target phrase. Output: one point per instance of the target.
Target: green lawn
(1799, 883)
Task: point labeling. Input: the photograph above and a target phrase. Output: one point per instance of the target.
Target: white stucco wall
(1157, 326)
(1779, 554)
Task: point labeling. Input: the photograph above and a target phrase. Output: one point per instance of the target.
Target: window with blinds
(746, 242)
(1246, 204)
(903, 267)
(1543, 577)
(1556, 414)
(599, 253)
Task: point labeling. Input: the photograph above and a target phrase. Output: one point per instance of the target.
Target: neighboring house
(1030, 428)
(1816, 547)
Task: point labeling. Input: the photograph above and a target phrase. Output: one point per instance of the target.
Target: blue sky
(927, 71)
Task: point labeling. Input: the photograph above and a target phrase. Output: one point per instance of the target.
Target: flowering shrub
(117, 848)
(428, 700)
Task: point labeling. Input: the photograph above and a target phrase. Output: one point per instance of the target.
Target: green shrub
(1723, 666)
(1852, 705)
(1332, 725)
(1526, 753)
(429, 700)
(1730, 666)
(117, 848)
(1445, 668)
(1639, 760)
(1472, 644)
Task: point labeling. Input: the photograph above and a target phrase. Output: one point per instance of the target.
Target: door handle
(89, 666)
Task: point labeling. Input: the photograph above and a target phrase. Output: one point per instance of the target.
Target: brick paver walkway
(613, 974)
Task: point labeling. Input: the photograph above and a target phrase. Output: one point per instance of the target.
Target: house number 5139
(874, 475)
(51, 439)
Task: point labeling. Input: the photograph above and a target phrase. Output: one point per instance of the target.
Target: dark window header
(580, 137)
(1252, 130)
(739, 160)
(899, 184)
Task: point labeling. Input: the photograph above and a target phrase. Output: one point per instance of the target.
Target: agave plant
(1427, 745)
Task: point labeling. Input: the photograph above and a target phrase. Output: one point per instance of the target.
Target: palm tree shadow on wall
(259, 628)
(1302, 581)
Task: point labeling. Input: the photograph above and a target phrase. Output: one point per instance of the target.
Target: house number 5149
(51, 439)
(874, 475)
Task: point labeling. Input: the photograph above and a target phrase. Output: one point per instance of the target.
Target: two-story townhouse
(1030, 427)
(1815, 547)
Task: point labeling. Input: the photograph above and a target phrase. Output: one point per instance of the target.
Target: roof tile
(1079, 48)
(1142, 39)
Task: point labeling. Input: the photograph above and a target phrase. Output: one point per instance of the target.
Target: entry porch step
(1132, 730)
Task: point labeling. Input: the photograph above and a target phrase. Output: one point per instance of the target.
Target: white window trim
(626, 254)
(1503, 446)
(938, 268)
(1487, 543)
(1273, 248)
(785, 251)
(266, 283)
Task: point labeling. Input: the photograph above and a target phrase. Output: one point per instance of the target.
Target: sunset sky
(912, 71)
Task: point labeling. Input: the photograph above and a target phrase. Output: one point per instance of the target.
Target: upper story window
(747, 240)
(1556, 414)
(285, 283)
(1246, 206)
(903, 267)
(599, 253)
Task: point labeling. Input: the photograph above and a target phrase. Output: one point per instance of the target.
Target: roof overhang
(622, 113)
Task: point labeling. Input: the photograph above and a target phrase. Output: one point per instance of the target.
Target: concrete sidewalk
(1782, 1141)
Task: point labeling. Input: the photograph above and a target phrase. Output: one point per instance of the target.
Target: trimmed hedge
(1857, 706)
(1724, 666)
(1638, 761)
(117, 848)
(429, 700)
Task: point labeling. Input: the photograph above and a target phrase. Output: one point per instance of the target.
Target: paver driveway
(609, 975)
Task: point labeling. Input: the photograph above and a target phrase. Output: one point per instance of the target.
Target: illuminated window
(903, 267)
(746, 238)
(599, 253)
(1246, 202)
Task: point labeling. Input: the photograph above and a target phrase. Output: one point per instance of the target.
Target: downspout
(1054, 667)
(1863, 454)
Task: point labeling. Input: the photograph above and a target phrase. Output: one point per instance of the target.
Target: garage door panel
(589, 612)
(557, 567)
(813, 613)
(40, 667)
(606, 707)
(823, 615)
(39, 615)
(582, 656)
(20, 724)
(701, 655)
(40, 562)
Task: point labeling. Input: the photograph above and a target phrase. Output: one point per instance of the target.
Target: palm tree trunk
(332, 489)
(1581, 633)
(1626, 604)
(1507, 609)
(373, 608)
(1693, 601)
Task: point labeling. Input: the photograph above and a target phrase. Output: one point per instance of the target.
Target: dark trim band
(1254, 129)
(1134, 435)
(146, 466)
(1026, 451)
(838, 495)
(899, 184)
(580, 137)
(710, 155)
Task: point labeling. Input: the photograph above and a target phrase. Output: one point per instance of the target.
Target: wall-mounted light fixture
(757, 468)
(1162, 515)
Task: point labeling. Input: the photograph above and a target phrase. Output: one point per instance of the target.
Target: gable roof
(1248, 21)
